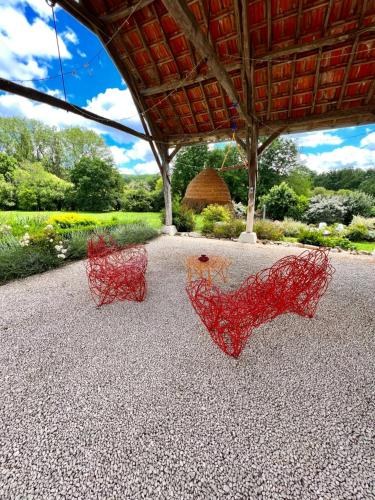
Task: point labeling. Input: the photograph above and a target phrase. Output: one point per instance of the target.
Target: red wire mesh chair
(294, 284)
(114, 272)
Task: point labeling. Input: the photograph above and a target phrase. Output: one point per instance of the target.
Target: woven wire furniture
(115, 272)
(214, 266)
(294, 284)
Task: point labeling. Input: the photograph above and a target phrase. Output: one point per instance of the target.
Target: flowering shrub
(70, 220)
(5, 230)
(61, 250)
(25, 240)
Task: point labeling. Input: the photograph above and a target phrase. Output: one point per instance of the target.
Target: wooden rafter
(35, 95)
(370, 93)
(320, 42)
(270, 139)
(173, 153)
(147, 49)
(319, 57)
(190, 108)
(205, 100)
(124, 11)
(187, 22)
(316, 80)
(166, 43)
(363, 114)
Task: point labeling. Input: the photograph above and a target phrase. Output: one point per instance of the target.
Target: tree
(300, 179)
(276, 163)
(38, 189)
(189, 162)
(15, 138)
(281, 201)
(345, 178)
(97, 185)
(78, 143)
(7, 198)
(7, 166)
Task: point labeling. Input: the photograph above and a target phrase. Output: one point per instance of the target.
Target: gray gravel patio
(133, 400)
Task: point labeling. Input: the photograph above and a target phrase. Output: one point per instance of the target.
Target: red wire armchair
(114, 272)
(294, 284)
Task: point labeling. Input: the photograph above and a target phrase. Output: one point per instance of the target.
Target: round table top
(213, 262)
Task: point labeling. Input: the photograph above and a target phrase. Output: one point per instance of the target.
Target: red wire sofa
(115, 272)
(293, 284)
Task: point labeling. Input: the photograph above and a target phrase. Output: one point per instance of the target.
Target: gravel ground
(135, 401)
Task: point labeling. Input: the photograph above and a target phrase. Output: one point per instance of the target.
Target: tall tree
(81, 143)
(97, 185)
(189, 162)
(275, 163)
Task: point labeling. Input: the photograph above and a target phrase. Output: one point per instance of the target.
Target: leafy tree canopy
(97, 185)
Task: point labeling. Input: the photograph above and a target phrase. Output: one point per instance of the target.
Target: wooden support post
(168, 227)
(253, 169)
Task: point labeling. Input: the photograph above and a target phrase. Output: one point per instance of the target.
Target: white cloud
(70, 36)
(347, 156)
(319, 138)
(140, 150)
(369, 140)
(23, 42)
(150, 167)
(116, 104)
(81, 53)
(40, 7)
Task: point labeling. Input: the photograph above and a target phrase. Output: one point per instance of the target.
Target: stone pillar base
(169, 230)
(248, 238)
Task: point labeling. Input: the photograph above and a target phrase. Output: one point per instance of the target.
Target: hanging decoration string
(51, 3)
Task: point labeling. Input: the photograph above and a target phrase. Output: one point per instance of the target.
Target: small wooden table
(215, 266)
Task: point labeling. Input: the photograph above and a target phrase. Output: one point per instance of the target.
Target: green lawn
(153, 218)
(368, 246)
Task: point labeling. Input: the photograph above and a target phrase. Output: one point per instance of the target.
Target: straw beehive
(207, 187)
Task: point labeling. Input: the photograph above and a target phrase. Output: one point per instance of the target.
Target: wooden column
(252, 170)
(168, 227)
(252, 129)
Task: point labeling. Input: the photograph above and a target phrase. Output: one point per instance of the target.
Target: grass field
(19, 219)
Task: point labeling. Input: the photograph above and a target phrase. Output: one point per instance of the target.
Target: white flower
(64, 250)
(49, 227)
(61, 256)
(26, 226)
(58, 248)
(51, 240)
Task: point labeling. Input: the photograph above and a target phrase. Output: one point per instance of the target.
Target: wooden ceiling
(185, 61)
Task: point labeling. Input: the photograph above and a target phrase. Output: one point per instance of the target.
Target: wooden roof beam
(124, 11)
(348, 117)
(270, 140)
(176, 84)
(35, 95)
(316, 44)
(187, 22)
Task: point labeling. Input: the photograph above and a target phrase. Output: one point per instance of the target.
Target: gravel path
(135, 401)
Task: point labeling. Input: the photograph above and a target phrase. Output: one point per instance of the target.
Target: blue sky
(28, 54)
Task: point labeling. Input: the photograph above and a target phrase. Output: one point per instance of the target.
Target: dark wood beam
(316, 44)
(371, 92)
(35, 95)
(77, 10)
(124, 11)
(270, 140)
(176, 84)
(187, 22)
(205, 100)
(173, 153)
(269, 64)
(316, 80)
(190, 108)
(344, 117)
(319, 57)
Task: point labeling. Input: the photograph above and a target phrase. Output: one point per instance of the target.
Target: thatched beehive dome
(207, 187)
